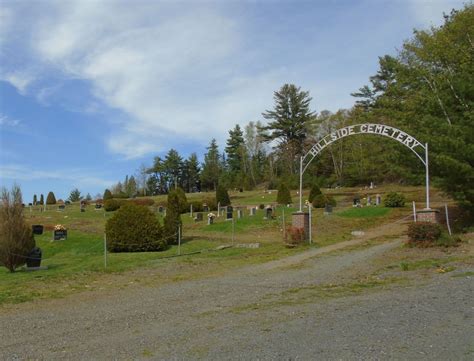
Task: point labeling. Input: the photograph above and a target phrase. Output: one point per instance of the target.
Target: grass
(365, 212)
(77, 264)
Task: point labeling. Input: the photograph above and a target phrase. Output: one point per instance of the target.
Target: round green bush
(394, 199)
(134, 228)
(111, 205)
(321, 200)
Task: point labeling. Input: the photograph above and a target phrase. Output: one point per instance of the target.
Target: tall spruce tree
(211, 168)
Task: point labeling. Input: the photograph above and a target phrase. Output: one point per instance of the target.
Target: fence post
(414, 212)
(447, 218)
(179, 241)
(310, 226)
(105, 250)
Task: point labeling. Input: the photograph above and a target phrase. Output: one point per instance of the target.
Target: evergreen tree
(283, 196)
(131, 187)
(107, 195)
(88, 197)
(41, 201)
(192, 173)
(35, 200)
(235, 145)
(172, 166)
(289, 121)
(222, 196)
(182, 200)
(211, 168)
(315, 191)
(50, 199)
(75, 195)
(172, 221)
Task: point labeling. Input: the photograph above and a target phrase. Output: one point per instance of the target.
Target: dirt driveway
(323, 304)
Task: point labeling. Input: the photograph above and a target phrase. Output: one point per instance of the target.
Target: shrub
(321, 200)
(197, 206)
(16, 237)
(50, 199)
(111, 205)
(211, 203)
(107, 195)
(283, 196)
(142, 201)
(394, 199)
(294, 235)
(134, 228)
(423, 233)
(261, 206)
(173, 218)
(182, 200)
(222, 196)
(315, 191)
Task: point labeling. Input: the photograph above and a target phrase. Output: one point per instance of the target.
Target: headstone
(205, 207)
(83, 207)
(328, 209)
(60, 234)
(369, 200)
(61, 207)
(37, 229)
(378, 200)
(371, 185)
(229, 212)
(253, 211)
(198, 217)
(98, 206)
(239, 213)
(268, 212)
(34, 258)
(160, 209)
(210, 219)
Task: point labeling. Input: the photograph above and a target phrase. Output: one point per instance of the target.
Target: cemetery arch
(420, 150)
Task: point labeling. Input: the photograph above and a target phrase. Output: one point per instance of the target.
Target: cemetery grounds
(369, 265)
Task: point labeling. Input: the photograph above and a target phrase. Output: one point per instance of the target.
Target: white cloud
(19, 79)
(6, 121)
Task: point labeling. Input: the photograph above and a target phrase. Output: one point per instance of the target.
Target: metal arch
(365, 129)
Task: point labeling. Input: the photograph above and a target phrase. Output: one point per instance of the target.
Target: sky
(91, 90)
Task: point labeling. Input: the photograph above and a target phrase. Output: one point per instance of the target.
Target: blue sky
(90, 90)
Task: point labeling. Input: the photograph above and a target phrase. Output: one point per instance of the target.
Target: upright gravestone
(328, 209)
(253, 211)
(205, 207)
(268, 212)
(369, 200)
(239, 213)
(378, 200)
(83, 207)
(61, 207)
(229, 212)
(198, 217)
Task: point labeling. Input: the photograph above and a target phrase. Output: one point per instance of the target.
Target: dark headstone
(98, 206)
(160, 209)
(199, 217)
(269, 213)
(61, 207)
(328, 209)
(37, 229)
(34, 258)
(67, 202)
(205, 207)
(60, 234)
(229, 212)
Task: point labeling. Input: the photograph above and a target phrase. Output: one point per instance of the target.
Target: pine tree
(75, 195)
(222, 196)
(173, 166)
(172, 221)
(211, 168)
(315, 191)
(289, 121)
(283, 196)
(35, 200)
(41, 201)
(107, 195)
(50, 199)
(192, 173)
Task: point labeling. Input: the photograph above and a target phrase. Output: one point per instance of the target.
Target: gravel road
(256, 313)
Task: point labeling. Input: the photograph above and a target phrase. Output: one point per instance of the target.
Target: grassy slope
(78, 263)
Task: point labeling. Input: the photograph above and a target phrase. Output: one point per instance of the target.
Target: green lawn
(77, 264)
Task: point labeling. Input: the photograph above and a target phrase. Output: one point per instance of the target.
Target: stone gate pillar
(301, 220)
